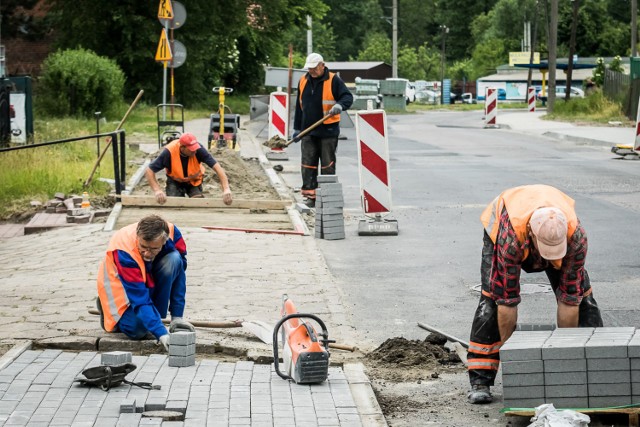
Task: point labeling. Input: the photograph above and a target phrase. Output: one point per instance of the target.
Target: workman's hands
(179, 324)
(160, 197)
(294, 137)
(227, 198)
(335, 110)
(164, 340)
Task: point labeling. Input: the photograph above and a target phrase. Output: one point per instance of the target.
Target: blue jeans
(169, 293)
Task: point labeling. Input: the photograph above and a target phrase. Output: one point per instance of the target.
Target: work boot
(99, 306)
(479, 394)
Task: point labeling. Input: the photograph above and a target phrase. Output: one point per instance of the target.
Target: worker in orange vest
(321, 93)
(142, 277)
(532, 228)
(183, 159)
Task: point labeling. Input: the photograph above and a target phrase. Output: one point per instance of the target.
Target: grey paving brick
(601, 349)
(608, 401)
(569, 402)
(323, 179)
(564, 378)
(563, 349)
(522, 367)
(182, 338)
(522, 403)
(521, 380)
(608, 377)
(512, 351)
(609, 364)
(574, 390)
(116, 358)
(598, 390)
(128, 406)
(533, 392)
(182, 361)
(181, 350)
(535, 327)
(565, 365)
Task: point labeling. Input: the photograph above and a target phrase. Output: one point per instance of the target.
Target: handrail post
(116, 158)
(123, 159)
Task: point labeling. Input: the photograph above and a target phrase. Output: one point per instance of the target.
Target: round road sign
(179, 16)
(179, 54)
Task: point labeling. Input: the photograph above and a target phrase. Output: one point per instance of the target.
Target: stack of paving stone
(182, 349)
(329, 208)
(572, 368)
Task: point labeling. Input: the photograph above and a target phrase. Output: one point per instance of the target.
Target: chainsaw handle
(324, 334)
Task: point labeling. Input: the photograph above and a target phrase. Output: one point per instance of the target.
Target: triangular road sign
(163, 53)
(165, 10)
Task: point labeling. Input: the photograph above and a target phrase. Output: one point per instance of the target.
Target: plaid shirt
(507, 262)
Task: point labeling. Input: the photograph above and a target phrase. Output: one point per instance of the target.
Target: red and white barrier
(490, 107)
(531, 99)
(373, 160)
(636, 142)
(278, 120)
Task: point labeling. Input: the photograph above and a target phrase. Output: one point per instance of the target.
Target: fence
(619, 87)
(117, 145)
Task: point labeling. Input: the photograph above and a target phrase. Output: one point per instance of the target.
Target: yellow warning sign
(165, 10)
(164, 49)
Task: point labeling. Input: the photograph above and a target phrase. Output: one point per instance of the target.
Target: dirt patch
(246, 178)
(399, 359)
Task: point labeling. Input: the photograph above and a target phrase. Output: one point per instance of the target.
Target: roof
(518, 76)
(354, 65)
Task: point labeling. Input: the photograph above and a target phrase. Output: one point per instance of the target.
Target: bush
(78, 83)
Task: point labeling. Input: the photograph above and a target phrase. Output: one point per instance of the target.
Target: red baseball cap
(189, 140)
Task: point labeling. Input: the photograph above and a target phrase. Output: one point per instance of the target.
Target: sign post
(163, 53)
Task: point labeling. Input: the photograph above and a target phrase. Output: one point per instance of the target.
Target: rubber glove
(335, 110)
(164, 340)
(294, 137)
(179, 324)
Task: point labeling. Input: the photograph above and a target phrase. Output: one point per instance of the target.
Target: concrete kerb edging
(363, 396)
(15, 351)
(577, 139)
(117, 208)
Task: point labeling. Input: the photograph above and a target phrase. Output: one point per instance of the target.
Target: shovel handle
(307, 130)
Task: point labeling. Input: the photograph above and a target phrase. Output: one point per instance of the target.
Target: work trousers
(318, 155)
(483, 356)
(170, 288)
(180, 189)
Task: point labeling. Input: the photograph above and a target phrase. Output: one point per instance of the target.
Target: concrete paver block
(608, 377)
(611, 364)
(608, 401)
(181, 350)
(620, 389)
(182, 338)
(570, 365)
(565, 378)
(522, 403)
(574, 390)
(182, 361)
(116, 358)
(527, 392)
(569, 402)
(522, 380)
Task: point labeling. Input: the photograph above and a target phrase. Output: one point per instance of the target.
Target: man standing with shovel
(321, 94)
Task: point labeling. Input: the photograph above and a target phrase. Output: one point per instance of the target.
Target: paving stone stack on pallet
(572, 368)
(329, 208)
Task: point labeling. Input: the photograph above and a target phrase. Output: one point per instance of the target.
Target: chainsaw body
(305, 352)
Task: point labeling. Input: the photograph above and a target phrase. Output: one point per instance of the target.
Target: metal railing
(117, 139)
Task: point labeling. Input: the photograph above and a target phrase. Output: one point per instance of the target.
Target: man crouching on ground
(142, 275)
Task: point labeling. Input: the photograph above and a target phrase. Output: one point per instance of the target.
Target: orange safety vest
(328, 101)
(193, 167)
(520, 203)
(113, 296)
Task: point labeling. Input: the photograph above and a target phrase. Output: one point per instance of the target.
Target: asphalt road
(444, 169)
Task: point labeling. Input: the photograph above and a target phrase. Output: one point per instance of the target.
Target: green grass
(36, 174)
(595, 108)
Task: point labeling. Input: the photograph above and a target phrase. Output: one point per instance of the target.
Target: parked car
(427, 96)
(467, 98)
(560, 92)
(502, 95)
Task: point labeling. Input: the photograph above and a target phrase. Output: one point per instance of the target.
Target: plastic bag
(548, 416)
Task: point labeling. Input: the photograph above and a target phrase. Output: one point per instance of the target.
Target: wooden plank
(184, 202)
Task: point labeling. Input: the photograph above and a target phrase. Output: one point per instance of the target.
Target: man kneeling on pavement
(142, 275)
(532, 228)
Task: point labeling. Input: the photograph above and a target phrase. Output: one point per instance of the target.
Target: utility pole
(553, 44)
(394, 40)
(445, 30)
(309, 36)
(634, 27)
(572, 48)
(534, 39)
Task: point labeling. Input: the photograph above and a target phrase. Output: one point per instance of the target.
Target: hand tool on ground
(277, 142)
(256, 327)
(447, 336)
(306, 352)
(95, 167)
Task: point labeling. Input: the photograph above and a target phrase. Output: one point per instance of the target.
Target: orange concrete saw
(306, 352)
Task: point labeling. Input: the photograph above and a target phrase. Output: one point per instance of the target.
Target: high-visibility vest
(520, 203)
(113, 296)
(328, 101)
(193, 167)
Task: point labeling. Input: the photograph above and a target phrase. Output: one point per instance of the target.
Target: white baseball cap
(549, 226)
(313, 60)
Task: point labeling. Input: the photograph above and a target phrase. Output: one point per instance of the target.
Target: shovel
(277, 142)
(260, 329)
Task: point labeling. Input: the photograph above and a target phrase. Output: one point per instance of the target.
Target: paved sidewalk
(49, 286)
